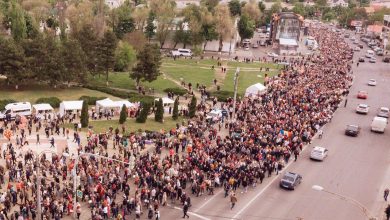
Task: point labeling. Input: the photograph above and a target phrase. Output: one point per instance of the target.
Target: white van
(17, 108)
(182, 52)
(379, 124)
(370, 54)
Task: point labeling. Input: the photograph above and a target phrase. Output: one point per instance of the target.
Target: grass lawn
(245, 79)
(256, 65)
(150, 125)
(31, 95)
(123, 81)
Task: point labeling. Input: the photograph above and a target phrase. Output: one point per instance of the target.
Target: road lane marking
(211, 198)
(191, 213)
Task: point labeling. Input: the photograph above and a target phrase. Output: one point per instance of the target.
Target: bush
(175, 113)
(91, 100)
(84, 119)
(192, 107)
(222, 96)
(123, 115)
(159, 114)
(5, 102)
(132, 96)
(53, 101)
(176, 91)
(143, 115)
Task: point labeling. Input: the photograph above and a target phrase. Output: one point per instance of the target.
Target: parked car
(255, 45)
(352, 130)
(361, 46)
(271, 54)
(182, 52)
(380, 52)
(356, 49)
(262, 43)
(362, 95)
(361, 59)
(372, 82)
(290, 180)
(362, 109)
(318, 153)
(386, 59)
(379, 124)
(383, 112)
(18, 108)
(372, 60)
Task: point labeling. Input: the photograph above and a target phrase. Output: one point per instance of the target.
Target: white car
(362, 109)
(246, 48)
(214, 115)
(318, 153)
(372, 60)
(383, 112)
(357, 49)
(271, 54)
(372, 82)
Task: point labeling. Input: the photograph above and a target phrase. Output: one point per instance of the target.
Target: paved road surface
(356, 167)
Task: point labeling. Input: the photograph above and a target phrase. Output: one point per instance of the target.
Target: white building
(334, 3)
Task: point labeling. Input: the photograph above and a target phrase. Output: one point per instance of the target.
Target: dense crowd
(190, 160)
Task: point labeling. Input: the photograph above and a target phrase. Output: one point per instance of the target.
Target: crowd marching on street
(191, 160)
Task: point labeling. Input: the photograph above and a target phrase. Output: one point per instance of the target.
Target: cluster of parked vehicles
(11, 110)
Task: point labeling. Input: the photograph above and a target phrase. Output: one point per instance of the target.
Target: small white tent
(166, 101)
(128, 104)
(256, 89)
(105, 104)
(70, 106)
(42, 107)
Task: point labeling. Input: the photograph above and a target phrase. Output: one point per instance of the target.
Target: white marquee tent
(42, 107)
(128, 104)
(70, 106)
(105, 104)
(255, 89)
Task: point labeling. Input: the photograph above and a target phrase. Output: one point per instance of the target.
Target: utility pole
(235, 93)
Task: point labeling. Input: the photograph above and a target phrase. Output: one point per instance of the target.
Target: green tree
(74, 60)
(192, 107)
(159, 114)
(84, 118)
(164, 11)
(52, 62)
(123, 115)
(210, 4)
(245, 27)
(261, 6)
(87, 37)
(143, 115)
(299, 8)
(175, 112)
(235, 7)
(11, 61)
(121, 20)
(148, 64)
(31, 26)
(224, 24)
(106, 52)
(18, 22)
(125, 57)
(150, 27)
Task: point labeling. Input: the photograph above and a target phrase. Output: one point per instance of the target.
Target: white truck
(379, 124)
(17, 108)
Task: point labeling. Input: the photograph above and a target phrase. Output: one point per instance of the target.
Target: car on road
(246, 48)
(318, 153)
(386, 60)
(383, 112)
(372, 60)
(357, 49)
(262, 43)
(362, 95)
(379, 52)
(361, 59)
(181, 52)
(361, 46)
(379, 124)
(255, 45)
(362, 109)
(352, 130)
(372, 82)
(290, 180)
(271, 54)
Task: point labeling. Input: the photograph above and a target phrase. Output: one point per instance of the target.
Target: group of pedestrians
(190, 160)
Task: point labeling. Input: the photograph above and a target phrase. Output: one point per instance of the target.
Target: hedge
(222, 96)
(131, 96)
(91, 100)
(176, 91)
(53, 101)
(5, 102)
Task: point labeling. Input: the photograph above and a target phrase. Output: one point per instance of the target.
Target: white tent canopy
(42, 107)
(255, 89)
(105, 104)
(166, 101)
(70, 106)
(128, 104)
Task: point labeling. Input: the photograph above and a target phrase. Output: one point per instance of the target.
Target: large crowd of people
(190, 160)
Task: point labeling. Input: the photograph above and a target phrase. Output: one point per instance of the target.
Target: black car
(290, 180)
(386, 59)
(352, 130)
(361, 46)
(361, 59)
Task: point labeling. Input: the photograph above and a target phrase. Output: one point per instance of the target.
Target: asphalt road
(356, 167)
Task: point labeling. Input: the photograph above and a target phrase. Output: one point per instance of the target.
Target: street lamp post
(347, 199)
(235, 92)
